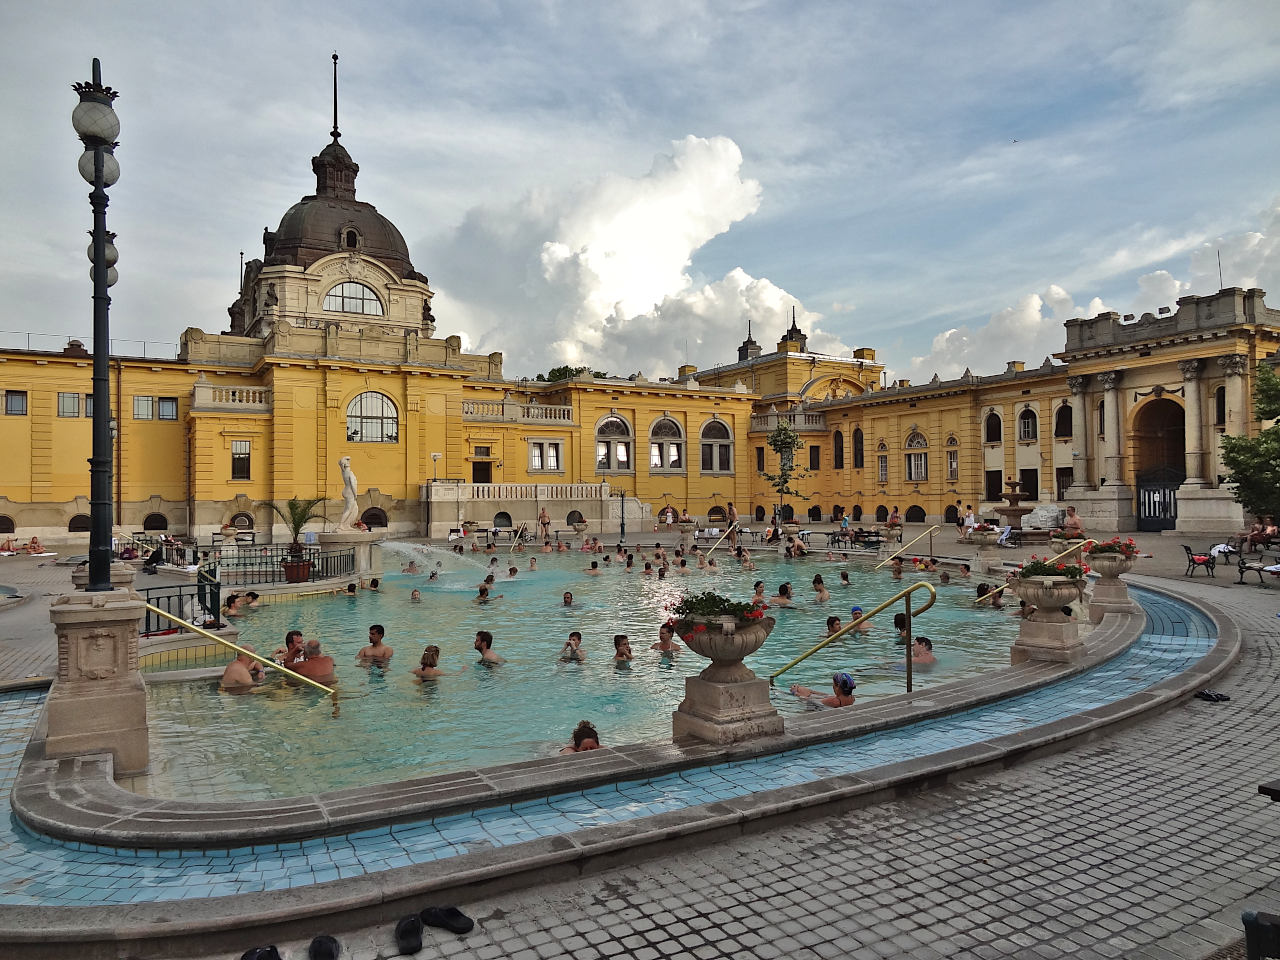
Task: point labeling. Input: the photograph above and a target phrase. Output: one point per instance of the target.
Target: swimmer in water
(842, 687)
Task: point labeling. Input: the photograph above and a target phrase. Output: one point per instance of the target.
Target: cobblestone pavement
(1146, 844)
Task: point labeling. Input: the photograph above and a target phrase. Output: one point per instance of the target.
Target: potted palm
(297, 514)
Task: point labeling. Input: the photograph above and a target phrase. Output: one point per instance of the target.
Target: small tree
(1254, 462)
(297, 514)
(784, 441)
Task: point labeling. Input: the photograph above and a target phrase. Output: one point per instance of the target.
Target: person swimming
(842, 687)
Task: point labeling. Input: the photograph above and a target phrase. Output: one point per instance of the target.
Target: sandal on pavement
(448, 918)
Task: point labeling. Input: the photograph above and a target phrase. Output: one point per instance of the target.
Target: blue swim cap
(855, 611)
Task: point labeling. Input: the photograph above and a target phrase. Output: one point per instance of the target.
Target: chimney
(687, 370)
(1015, 366)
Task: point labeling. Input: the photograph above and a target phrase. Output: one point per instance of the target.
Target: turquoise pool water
(287, 741)
(35, 870)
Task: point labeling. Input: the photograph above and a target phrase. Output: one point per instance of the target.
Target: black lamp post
(97, 125)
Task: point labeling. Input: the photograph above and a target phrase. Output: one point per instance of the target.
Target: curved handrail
(265, 661)
(1080, 547)
(901, 549)
(900, 595)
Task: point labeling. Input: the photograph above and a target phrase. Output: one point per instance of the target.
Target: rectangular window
(553, 456)
(882, 467)
(167, 408)
(725, 452)
(88, 404)
(15, 403)
(917, 467)
(953, 464)
(759, 459)
(717, 458)
(544, 455)
(482, 451)
(1064, 476)
(535, 456)
(815, 457)
(239, 459)
(68, 404)
(1027, 428)
(708, 458)
(144, 408)
(603, 460)
(655, 456)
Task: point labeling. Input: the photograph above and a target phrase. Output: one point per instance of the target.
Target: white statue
(349, 508)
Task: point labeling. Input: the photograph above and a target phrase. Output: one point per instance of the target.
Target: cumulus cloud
(601, 274)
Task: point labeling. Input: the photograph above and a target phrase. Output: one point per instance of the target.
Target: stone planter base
(1057, 642)
(1110, 595)
(725, 712)
(361, 540)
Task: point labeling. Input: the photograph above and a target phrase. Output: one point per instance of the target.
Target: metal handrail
(904, 594)
(733, 526)
(1078, 548)
(517, 538)
(266, 662)
(901, 549)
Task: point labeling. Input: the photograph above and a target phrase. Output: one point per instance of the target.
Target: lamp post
(97, 125)
(435, 459)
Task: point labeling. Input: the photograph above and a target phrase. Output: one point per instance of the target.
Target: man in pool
(621, 650)
(241, 673)
(568, 599)
(922, 653)
(594, 569)
(291, 652)
(484, 644)
(571, 652)
(667, 644)
(415, 594)
(315, 665)
(411, 568)
(377, 651)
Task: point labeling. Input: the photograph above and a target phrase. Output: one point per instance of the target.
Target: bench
(1254, 566)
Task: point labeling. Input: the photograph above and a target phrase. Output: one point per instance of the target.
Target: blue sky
(626, 184)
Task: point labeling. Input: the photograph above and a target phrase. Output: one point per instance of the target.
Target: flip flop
(409, 935)
(448, 918)
(1207, 695)
(324, 948)
(1221, 697)
(261, 953)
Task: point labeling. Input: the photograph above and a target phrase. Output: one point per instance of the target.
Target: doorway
(481, 471)
(1159, 436)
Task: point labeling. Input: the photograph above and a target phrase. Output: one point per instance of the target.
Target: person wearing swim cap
(842, 687)
(854, 613)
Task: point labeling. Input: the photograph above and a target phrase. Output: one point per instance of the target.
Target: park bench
(1199, 561)
(1249, 565)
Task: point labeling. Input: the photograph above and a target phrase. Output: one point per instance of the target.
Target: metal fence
(265, 565)
(187, 601)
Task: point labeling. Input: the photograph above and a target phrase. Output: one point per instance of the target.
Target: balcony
(206, 397)
(800, 421)
(513, 411)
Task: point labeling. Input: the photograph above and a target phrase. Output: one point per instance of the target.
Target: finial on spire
(334, 132)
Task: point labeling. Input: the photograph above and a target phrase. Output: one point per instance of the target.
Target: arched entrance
(1159, 451)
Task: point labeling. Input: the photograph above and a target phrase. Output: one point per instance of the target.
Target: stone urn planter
(1070, 549)
(790, 529)
(726, 702)
(1110, 595)
(687, 529)
(1048, 634)
(984, 538)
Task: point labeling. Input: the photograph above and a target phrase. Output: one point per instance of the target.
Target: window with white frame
(349, 297)
(882, 467)
(15, 403)
(953, 459)
(144, 408)
(1028, 426)
(544, 455)
(717, 447)
(68, 404)
(613, 445)
(917, 467)
(666, 446)
(372, 418)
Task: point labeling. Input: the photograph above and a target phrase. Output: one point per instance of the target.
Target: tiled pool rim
(77, 799)
(375, 898)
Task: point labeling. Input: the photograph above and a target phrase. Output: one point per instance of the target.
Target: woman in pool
(842, 687)
(758, 598)
(427, 669)
(844, 578)
(584, 738)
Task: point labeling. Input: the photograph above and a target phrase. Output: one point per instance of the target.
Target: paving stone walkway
(1146, 844)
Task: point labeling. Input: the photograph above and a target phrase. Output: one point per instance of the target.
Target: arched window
(1062, 428)
(717, 515)
(717, 447)
(80, 523)
(951, 514)
(815, 514)
(155, 521)
(372, 418)
(915, 514)
(857, 449)
(837, 452)
(242, 521)
(502, 519)
(573, 517)
(350, 297)
(953, 458)
(613, 446)
(856, 513)
(1220, 407)
(374, 517)
(666, 446)
(759, 515)
(991, 432)
(917, 459)
(6, 524)
(882, 513)
(1028, 426)
(353, 240)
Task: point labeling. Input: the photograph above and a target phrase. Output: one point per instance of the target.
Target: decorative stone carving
(1111, 379)
(350, 509)
(1190, 369)
(1077, 384)
(726, 702)
(1234, 364)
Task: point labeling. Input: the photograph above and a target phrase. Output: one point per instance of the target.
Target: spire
(334, 132)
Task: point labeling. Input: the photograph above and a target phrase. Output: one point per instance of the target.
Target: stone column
(1113, 456)
(1190, 370)
(1082, 442)
(1234, 366)
(98, 702)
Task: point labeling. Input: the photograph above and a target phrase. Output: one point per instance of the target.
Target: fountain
(1013, 514)
(426, 552)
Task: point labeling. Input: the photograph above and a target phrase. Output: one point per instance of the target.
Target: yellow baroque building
(332, 352)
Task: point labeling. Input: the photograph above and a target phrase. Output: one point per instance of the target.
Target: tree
(567, 372)
(296, 514)
(784, 441)
(1254, 462)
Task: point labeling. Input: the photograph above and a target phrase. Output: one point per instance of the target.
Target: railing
(1078, 548)
(768, 422)
(450, 492)
(516, 412)
(265, 661)
(187, 601)
(263, 565)
(732, 527)
(56, 342)
(904, 595)
(905, 545)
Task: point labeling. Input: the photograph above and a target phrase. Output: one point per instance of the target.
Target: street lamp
(97, 125)
(435, 459)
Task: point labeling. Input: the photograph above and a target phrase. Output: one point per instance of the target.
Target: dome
(334, 221)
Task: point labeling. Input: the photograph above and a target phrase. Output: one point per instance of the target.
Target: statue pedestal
(725, 712)
(361, 540)
(122, 576)
(98, 703)
(1110, 595)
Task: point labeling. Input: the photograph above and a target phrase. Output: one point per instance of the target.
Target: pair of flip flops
(409, 930)
(321, 948)
(1212, 696)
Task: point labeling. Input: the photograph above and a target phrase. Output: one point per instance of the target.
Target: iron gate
(1158, 498)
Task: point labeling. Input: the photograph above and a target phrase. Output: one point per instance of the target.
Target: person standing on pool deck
(377, 651)
(733, 525)
(484, 643)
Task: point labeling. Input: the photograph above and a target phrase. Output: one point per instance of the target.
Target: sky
(628, 185)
